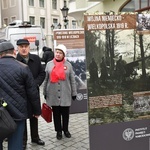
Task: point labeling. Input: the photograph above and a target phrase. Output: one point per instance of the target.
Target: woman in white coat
(59, 90)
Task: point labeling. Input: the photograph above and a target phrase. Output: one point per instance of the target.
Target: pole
(22, 10)
(65, 22)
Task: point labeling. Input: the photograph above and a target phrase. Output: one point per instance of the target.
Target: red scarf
(58, 72)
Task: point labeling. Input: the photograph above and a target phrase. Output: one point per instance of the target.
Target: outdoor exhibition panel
(75, 43)
(118, 81)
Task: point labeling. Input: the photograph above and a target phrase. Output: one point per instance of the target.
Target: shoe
(59, 135)
(39, 142)
(67, 134)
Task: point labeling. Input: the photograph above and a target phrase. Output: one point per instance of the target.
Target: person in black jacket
(34, 63)
(48, 55)
(17, 88)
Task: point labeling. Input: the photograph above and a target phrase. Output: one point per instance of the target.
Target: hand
(74, 98)
(36, 116)
(45, 96)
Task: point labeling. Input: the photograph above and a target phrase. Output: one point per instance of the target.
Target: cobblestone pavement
(78, 127)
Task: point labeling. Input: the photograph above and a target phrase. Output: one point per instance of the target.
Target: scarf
(58, 72)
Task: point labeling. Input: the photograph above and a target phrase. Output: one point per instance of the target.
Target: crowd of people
(21, 75)
(103, 75)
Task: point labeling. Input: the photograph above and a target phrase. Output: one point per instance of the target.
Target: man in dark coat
(104, 72)
(34, 63)
(93, 70)
(17, 88)
(120, 69)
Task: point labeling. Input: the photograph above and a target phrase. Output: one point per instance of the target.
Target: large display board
(75, 43)
(118, 80)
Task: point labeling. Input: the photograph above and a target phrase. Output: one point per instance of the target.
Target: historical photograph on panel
(143, 23)
(141, 102)
(74, 41)
(118, 64)
(77, 58)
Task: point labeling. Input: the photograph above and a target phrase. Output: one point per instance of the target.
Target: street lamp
(64, 11)
(59, 26)
(54, 26)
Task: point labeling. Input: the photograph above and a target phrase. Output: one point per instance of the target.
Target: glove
(73, 98)
(45, 96)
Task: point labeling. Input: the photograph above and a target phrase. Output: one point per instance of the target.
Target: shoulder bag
(7, 124)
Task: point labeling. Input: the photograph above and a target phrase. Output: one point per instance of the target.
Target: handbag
(7, 123)
(46, 113)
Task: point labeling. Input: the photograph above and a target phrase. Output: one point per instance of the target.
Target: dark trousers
(61, 118)
(33, 130)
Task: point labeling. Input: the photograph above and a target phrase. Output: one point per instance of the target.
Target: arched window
(143, 5)
(128, 7)
(135, 5)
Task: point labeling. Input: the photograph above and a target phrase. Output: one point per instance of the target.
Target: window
(4, 4)
(32, 20)
(12, 3)
(5, 21)
(42, 22)
(31, 2)
(129, 7)
(136, 5)
(55, 23)
(144, 3)
(54, 4)
(13, 19)
(74, 24)
(41, 3)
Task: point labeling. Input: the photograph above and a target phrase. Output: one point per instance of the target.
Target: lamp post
(64, 11)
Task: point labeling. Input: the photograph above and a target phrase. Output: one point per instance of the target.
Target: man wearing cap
(34, 63)
(59, 89)
(16, 86)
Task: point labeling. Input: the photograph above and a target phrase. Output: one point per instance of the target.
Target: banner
(118, 80)
(75, 43)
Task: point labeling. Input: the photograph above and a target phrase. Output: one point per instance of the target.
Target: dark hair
(7, 52)
(46, 49)
(2, 40)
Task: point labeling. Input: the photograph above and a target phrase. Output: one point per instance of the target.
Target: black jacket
(48, 55)
(17, 88)
(35, 66)
(37, 71)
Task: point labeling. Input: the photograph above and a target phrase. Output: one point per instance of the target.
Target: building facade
(46, 13)
(79, 8)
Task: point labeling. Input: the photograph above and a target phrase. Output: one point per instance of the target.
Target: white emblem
(79, 96)
(128, 134)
